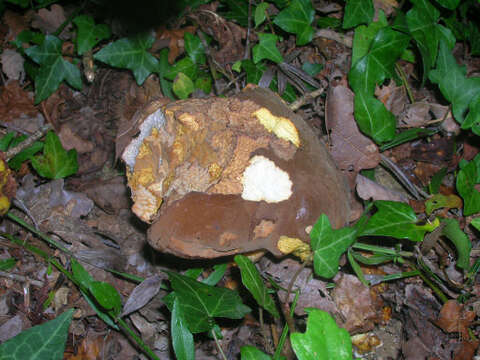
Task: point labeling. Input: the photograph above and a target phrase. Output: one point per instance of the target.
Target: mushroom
(223, 176)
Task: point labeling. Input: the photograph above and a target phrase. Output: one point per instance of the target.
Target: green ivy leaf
(238, 11)
(107, 296)
(461, 241)
(261, 13)
(328, 245)
(89, 34)
(216, 275)
(56, 162)
(16, 162)
(45, 341)
(267, 49)
(323, 340)
(296, 19)
(162, 69)
(358, 12)
(81, 275)
(364, 35)
(454, 85)
(476, 223)
(422, 22)
(249, 352)
(204, 83)
(378, 63)
(131, 53)
(472, 121)
(397, 220)
(186, 66)
(201, 303)
(467, 177)
(373, 118)
(53, 68)
(194, 48)
(182, 338)
(183, 86)
(253, 282)
(449, 4)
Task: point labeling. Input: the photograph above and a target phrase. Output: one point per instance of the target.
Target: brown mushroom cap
(224, 176)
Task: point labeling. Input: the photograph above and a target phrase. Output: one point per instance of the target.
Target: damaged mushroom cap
(220, 176)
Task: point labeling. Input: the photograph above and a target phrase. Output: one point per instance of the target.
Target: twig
(402, 178)
(28, 142)
(332, 35)
(286, 313)
(405, 83)
(21, 278)
(249, 26)
(303, 100)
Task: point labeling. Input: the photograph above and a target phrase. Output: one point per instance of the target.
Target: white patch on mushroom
(263, 180)
(155, 120)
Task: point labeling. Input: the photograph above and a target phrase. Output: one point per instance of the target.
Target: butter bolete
(223, 176)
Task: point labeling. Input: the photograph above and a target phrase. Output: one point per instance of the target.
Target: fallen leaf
(368, 189)
(48, 21)
(350, 149)
(15, 102)
(467, 350)
(454, 318)
(176, 42)
(12, 64)
(16, 24)
(355, 303)
(142, 294)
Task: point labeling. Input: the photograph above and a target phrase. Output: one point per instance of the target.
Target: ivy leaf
(373, 118)
(238, 11)
(260, 13)
(454, 85)
(364, 35)
(422, 22)
(162, 69)
(89, 34)
(183, 86)
(296, 19)
(194, 48)
(323, 340)
(328, 245)
(56, 162)
(358, 12)
(472, 121)
(439, 201)
(449, 4)
(201, 303)
(131, 53)
(16, 162)
(45, 341)
(378, 64)
(397, 220)
(467, 177)
(53, 68)
(249, 352)
(267, 49)
(107, 296)
(182, 338)
(461, 241)
(253, 282)
(186, 66)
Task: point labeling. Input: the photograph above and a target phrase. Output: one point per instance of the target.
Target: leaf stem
(137, 339)
(218, 344)
(382, 250)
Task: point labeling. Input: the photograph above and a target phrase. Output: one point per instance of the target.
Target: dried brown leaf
(350, 149)
(142, 294)
(454, 318)
(368, 189)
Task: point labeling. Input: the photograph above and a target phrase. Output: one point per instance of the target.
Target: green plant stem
(137, 339)
(41, 235)
(382, 250)
(218, 344)
(68, 20)
(443, 298)
(405, 83)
